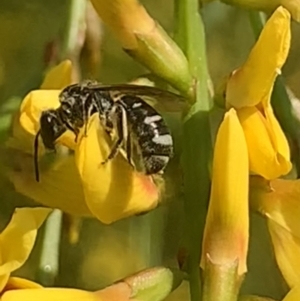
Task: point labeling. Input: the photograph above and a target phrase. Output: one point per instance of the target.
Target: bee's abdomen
(156, 149)
(152, 134)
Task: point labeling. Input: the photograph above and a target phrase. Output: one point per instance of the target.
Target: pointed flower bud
(145, 40)
(226, 231)
(249, 91)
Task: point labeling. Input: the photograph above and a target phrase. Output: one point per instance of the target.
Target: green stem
(75, 24)
(190, 35)
(197, 143)
(48, 266)
(257, 20)
(221, 282)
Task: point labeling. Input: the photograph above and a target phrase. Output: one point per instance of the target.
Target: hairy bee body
(151, 133)
(79, 102)
(121, 109)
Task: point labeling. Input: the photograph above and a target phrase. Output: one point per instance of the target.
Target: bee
(122, 110)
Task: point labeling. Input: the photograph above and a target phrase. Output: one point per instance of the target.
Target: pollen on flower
(149, 185)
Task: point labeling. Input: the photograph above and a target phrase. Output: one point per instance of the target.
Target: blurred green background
(107, 253)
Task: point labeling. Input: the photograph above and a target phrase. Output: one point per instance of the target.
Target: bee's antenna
(36, 156)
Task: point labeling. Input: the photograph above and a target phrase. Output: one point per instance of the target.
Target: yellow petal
(293, 294)
(254, 81)
(58, 77)
(59, 187)
(279, 140)
(116, 292)
(287, 250)
(18, 238)
(27, 121)
(33, 104)
(3, 280)
(126, 18)
(67, 139)
(278, 201)
(293, 6)
(20, 283)
(226, 229)
(50, 294)
(114, 190)
(267, 146)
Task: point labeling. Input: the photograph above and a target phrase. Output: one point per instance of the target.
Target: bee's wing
(162, 100)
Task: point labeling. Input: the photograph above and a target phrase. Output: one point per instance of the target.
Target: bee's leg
(120, 124)
(129, 149)
(106, 123)
(86, 115)
(36, 156)
(74, 130)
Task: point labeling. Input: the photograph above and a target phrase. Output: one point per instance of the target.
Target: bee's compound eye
(50, 128)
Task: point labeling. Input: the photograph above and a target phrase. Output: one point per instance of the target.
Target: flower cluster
(17, 241)
(77, 183)
(250, 140)
(251, 153)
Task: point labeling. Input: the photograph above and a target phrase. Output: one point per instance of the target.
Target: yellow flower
(76, 183)
(293, 6)
(144, 39)
(17, 240)
(122, 190)
(279, 202)
(119, 291)
(125, 25)
(60, 187)
(57, 78)
(226, 230)
(249, 91)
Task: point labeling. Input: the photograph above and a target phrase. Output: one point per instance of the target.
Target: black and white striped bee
(122, 110)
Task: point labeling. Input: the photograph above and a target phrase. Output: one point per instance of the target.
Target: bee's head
(51, 128)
